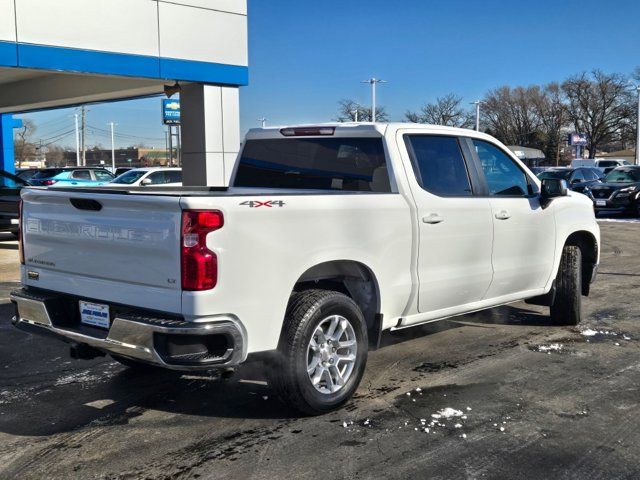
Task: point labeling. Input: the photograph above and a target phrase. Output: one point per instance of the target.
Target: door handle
(432, 218)
(503, 215)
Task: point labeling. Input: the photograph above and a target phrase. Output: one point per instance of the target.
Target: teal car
(71, 177)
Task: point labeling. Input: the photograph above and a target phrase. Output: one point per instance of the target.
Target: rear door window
(103, 175)
(345, 164)
(439, 165)
(173, 176)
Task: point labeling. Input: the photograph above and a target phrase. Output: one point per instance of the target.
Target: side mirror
(145, 182)
(552, 188)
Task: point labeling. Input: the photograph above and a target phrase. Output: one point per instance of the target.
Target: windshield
(48, 173)
(623, 175)
(7, 180)
(561, 174)
(129, 177)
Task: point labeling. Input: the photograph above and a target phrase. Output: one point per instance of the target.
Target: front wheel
(322, 353)
(567, 304)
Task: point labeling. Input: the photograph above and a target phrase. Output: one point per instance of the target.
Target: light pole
(263, 122)
(355, 115)
(638, 129)
(77, 142)
(113, 148)
(477, 104)
(373, 82)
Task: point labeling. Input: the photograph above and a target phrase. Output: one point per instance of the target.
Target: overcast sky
(305, 56)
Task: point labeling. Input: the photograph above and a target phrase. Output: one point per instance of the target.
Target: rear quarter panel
(263, 251)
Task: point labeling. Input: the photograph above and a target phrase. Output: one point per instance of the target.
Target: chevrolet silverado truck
(328, 236)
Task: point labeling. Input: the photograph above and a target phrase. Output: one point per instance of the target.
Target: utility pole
(355, 115)
(263, 122)
(113, 148)
(83, 145)
(373, 82)
(638, 129)
(477, 104)
(77, 141)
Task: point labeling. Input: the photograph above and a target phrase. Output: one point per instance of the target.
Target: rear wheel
(567, 305)
(322, 352)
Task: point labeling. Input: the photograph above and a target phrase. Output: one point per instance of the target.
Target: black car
(619, 192)
(10, 187)
(578, 179)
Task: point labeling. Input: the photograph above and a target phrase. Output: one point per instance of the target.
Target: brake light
(49, 182)
(307, 131)
(199, 264)
(20, 246)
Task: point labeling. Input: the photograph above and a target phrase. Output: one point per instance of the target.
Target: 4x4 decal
(268, 203)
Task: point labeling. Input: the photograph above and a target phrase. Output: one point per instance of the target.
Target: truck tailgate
(112, 247)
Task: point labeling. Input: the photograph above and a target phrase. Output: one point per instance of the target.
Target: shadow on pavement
(43, 394)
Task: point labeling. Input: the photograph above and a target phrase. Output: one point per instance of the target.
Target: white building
(69, 52)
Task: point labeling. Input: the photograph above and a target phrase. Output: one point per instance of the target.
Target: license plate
(601, 203)
(94, 314)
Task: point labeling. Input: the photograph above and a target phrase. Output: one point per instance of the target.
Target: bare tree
(553, 118)
(347, 109)
(23, 145)
(598, 104)
(445, 110)
(510, 115)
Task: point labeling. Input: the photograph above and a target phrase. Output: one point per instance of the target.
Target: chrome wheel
(331, 354)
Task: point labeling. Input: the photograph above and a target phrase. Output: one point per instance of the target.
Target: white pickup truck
(328, 236)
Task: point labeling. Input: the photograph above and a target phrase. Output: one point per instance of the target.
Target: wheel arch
(354, 279)
(588, 245)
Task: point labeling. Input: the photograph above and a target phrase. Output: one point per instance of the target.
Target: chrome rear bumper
(134, 336)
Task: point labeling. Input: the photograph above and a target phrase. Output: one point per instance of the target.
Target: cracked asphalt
(500, 394)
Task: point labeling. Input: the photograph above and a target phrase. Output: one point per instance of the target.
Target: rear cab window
(335, 163)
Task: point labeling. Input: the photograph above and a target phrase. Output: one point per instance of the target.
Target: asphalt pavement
(500, 394)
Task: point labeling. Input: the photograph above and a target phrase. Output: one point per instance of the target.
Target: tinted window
(562, 174)
(157, 178)
(48, 173)
(578, 176)
(439, 165)
(608, 163)
(597, 174)
(503, 176)
(130, 177)
(347, 164)
(81, 175)
(623, 175)
(103, 175)
(173, 176)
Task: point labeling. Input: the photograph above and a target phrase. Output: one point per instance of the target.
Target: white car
(608, 164)
(328, 236)
(149, 177)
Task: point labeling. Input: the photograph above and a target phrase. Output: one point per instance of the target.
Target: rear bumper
(170, 343)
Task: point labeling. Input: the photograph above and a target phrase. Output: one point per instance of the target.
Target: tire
(305, 352)
(567, 305)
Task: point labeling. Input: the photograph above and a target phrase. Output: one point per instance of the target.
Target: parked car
(577, 178)
(328, 236)
(619, 192)
(149, 177)
(609, 164)
(71, 176)
(539, 170)
(10, 186)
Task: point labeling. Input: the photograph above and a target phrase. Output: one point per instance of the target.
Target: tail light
(20, 239)
(307, 131)
(49, 182)
(199, 264)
